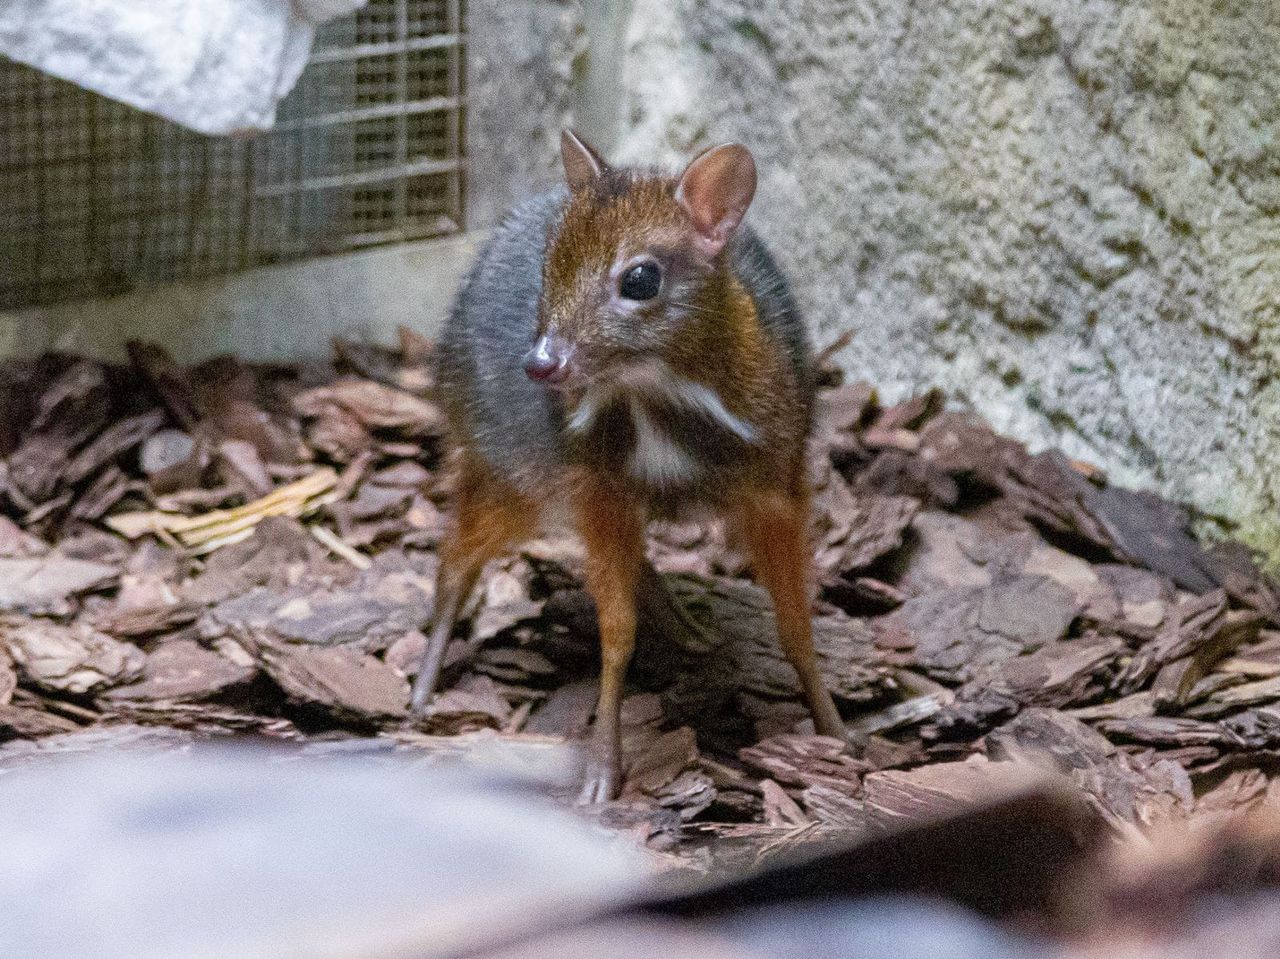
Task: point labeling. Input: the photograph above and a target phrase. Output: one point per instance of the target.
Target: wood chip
(181, 670)
(47, 584)
(779, 808)
(804, 761)
(374, 406)
(73, 659)
(954, 633)
(338, 678)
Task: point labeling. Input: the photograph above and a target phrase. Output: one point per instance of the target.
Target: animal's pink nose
(548, 361)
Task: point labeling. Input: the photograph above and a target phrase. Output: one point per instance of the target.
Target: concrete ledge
(272, 313)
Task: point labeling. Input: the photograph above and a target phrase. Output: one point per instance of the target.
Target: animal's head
(631, 261)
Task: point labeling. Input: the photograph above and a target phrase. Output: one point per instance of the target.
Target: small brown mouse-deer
(624, 349)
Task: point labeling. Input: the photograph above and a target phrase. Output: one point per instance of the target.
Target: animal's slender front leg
(612, 527)
(773, 527)
(489, 516)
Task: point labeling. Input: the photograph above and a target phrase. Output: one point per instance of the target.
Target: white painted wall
(281, 312)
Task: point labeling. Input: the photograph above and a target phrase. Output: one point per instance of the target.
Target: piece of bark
(26, 723)
(242, 466)
(1201, 627)
(663, 759)
(896, 473)
(117, 439)
(230, 402)
(1051, 494)
(17, 543)
(1135, 706)
(567, 711)
(173, 460)
(946, 552)
(847, 407)
(911, 413)
(474, 702)
(852, 532)
(1060, 674)
(337, 433)
(277, 555)
(167, 380)
(833, 807)
(182, 670)
(1170, 731)
(1238, 792)
(1149, 531)
(375, 406)
(748, 657)
(1256, 730)
(896, 797)
(73, 659)
(1236, 569)
(107, 489)
(967, 449)
(514, 664)
(803, 761)
(1228, 700)
(779, 808)
(72, 409)
(909, 712)
(1144, 596)
(412, 372)
(372, 610)
(955, 633)
(204, 719)
(689, 794)
(47, 584)
(403, 475)
(8, 677)
(1126, 793)
(140, 621)
(339, 678)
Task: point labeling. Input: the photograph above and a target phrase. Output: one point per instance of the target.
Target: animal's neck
(661, 432)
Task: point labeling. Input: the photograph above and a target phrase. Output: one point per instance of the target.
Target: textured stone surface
(1065, 212)
(523, 56)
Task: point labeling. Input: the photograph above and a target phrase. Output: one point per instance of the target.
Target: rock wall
(1065, 212)
(522, 60)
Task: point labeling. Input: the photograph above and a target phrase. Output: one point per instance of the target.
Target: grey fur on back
(514, 423)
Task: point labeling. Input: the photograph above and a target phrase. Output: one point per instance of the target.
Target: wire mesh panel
(98, 198)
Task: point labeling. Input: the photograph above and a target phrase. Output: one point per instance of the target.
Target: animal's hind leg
(489, 515)
(773, 527)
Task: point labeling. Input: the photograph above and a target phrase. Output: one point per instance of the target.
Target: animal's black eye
(641, 282)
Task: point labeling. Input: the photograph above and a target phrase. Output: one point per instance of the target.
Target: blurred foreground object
(266, 853)
(215, 66)
(362, 853)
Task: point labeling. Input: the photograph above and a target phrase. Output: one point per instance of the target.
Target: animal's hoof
(420, 699)
(603, 783)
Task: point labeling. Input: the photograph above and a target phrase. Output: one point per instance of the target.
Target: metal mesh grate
(98, 198)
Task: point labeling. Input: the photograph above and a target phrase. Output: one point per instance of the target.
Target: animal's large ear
(715, 190)
(582, 163)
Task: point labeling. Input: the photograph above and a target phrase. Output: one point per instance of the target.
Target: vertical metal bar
(198, 204)
(38, 233)
(457, 89)
(96, 240)
(400, 207)
(247, 254)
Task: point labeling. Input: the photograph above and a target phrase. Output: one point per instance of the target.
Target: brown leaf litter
(233, 547)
